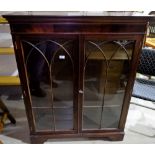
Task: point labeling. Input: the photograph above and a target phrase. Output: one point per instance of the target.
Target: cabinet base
(39, 139)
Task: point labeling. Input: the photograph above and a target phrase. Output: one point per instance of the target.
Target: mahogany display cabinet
(77, 72)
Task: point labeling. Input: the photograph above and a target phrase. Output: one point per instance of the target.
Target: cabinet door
(51, 70)
(106, 72)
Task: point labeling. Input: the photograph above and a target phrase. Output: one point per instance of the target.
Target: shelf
(105, 106)
(9, 80)
(48, 107)
(6, 50)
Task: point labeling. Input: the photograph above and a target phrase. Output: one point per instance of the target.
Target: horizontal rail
(9, 80)
(6, 50)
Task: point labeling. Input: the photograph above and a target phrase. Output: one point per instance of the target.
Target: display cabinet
(77, 72)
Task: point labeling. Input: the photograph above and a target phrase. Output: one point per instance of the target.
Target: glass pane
(110, 117)
(91, 117)
(50, 72)
(43, 119)
(64, 118)
(107, 66)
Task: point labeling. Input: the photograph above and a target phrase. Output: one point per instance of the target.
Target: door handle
(80, 91)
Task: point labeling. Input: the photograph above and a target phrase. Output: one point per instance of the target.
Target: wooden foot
(37, 139)
(117, 137)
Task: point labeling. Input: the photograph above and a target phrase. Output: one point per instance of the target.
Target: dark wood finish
(137, 51)
(81, 28)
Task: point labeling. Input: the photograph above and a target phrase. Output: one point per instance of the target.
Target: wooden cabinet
(77, 73)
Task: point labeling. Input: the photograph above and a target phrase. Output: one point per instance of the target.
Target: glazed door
(106, 72)
(51, 65)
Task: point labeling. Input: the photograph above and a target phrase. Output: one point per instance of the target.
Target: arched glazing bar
(120, 45)
(49, 63)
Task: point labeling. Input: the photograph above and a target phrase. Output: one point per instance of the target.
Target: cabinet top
(28, 24)
(77, 19)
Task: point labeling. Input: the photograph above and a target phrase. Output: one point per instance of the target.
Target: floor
(140, 126)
